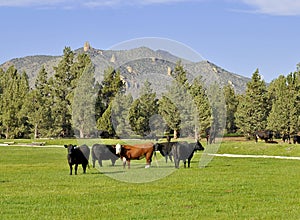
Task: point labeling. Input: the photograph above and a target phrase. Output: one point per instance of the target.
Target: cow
(265, 135)
(210, 135)
(296, 139)
(286, 138)
(164, 149)
(104, 152)
(185, 151)
(135, 152)
(78, 155)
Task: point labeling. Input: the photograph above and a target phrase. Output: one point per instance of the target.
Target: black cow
(265, 135)
(286, 137)
(210, 134)
(185, 151)
(78, 155)
(296, 139)
(164, 149)
(104, 152)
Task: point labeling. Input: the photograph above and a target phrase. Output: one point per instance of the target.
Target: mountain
(136, 65)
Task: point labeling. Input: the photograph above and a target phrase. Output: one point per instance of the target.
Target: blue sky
(237, 35)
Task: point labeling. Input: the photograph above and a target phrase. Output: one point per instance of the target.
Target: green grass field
(35, 184)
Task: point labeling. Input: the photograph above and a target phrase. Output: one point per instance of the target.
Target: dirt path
(255, 156)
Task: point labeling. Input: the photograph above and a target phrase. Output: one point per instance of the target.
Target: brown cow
(135, 152)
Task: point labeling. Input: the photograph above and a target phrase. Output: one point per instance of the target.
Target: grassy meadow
(35, 184)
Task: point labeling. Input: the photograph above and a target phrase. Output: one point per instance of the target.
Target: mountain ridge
(136, 65)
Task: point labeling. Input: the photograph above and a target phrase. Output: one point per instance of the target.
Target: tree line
(72, 102)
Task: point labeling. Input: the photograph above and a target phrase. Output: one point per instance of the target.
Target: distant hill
(136, 65)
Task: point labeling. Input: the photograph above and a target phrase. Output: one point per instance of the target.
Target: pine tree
(279, 120)
(170, 114)
(24, 127)
(62, 89)
(110, 86)
(83, 106)
(105, 122)
(203, 109)
(142, 109)
(180, 75)
(38, 107)
(108, 90)
(218, 108)
(120, 115)
(14, 90)
(231, 101)
(293, 87)
(254, 107)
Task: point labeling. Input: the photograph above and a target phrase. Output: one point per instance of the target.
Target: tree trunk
(175, 134)
(36, 131)
(81, 133)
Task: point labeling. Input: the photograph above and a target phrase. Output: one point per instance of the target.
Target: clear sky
(237, 35)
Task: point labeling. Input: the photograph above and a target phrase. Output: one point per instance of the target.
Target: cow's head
(118, 149)
(70, 148)
(198, 145)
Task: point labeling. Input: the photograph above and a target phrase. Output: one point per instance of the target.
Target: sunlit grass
(35, 184)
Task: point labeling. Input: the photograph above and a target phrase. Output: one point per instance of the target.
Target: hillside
(136, 65)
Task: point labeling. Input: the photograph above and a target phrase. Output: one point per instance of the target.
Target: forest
(71, 103)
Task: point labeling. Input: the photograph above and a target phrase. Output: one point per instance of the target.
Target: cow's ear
(66, 146)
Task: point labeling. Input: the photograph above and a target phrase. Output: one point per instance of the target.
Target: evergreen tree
(203, 109)
(293, 100)
(105, 122)
(64, 82)
(108, 90)
(110, 86)
(24, 128)
(170, 113)
(253, 107)
(38, 107)
(231, 107)
(180, 75)
(218, 108)
(62, 88)
(14, 90)
(83, 106)
(142, 109)
(2, 83)
(279, 118)
(120, 114)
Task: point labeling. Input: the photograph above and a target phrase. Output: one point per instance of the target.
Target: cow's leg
(100, 162)
(184, 163)
(124, 162)
(113, 161)
(189, 162)
(84, 167)
(76, 167)
(128, 162)
(94, 161)
(71, 168)
(166, 157)
(148, 163)
(176, 160)
(170, 157)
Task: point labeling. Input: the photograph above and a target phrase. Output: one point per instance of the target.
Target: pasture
(35, 184)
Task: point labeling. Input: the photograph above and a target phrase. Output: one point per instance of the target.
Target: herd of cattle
(170, 150)
(267, 136)
(177, 150)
